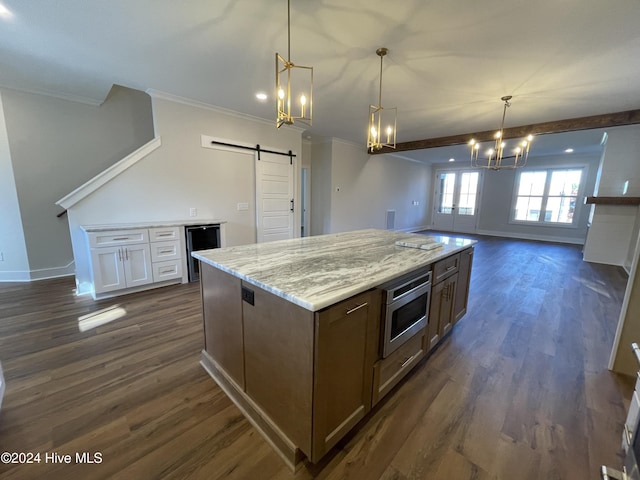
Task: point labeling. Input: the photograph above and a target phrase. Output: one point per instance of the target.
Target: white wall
(360, 188)
(56, 145)
(181, 174)
(613, 232)
(14, 264)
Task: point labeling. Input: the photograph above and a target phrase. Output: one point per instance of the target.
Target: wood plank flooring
(518, 390)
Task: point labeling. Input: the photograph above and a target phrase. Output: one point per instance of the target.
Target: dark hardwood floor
(518, 390)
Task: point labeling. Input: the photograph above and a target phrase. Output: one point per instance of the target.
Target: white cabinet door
(137, 265)
(108, 269)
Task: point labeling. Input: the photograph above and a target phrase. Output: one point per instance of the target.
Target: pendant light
(382, 122)
(294, 86)
(494, 158)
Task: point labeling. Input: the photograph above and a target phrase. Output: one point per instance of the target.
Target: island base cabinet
(278, 355)
(347, 340)
(441, 317)
(464, 281)
(222, 315)
(387, 372)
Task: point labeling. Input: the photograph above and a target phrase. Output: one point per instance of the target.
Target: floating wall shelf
(612, 200)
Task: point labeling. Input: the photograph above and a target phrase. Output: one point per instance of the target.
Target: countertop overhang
(151, 224)
(319, 271)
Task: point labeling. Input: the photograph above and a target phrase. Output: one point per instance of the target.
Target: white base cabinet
(115, 268)
(127, 259)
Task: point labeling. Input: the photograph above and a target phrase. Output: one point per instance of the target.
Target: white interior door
(274, 197)
(456, 200)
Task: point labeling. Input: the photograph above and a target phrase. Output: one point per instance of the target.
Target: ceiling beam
(630, 117)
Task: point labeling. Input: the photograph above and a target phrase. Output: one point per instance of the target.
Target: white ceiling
(449, 62)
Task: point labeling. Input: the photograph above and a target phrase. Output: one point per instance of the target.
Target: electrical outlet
(193, 212)
(242, 206)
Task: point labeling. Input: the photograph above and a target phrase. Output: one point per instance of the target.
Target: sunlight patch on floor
(101, 317)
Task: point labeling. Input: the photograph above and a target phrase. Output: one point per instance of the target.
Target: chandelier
(494, 158)
(382, 122)
(294, 86)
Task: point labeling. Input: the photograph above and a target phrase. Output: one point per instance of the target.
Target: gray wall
(353, 190)
(14, 264)
(497, 192)
(181, 174)
(320, 188)
(56, 145)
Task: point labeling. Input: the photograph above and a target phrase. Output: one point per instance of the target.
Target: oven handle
(409, 296)
(389, 291)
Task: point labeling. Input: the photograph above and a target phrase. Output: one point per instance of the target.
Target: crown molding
(58, 95)
(214, 108)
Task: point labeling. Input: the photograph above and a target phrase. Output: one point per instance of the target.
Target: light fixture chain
(289, 31)
(380, 93)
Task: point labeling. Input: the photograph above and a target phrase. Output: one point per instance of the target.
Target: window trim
(545, 196)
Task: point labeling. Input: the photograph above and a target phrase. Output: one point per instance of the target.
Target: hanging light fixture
(382, 122)
(494, 158)
(294, 86)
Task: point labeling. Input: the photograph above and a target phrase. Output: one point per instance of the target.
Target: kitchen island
(294, 328)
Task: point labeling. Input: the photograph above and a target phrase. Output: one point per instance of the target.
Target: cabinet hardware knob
(450, 267)
(117, 239)
(357, 308)
(119, 254)
(126, 254)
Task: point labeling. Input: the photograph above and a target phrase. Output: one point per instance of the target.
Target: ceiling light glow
(569, 150)
(452, 159)
(261, 96)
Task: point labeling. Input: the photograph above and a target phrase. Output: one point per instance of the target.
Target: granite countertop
(316, 272)
(150, 224)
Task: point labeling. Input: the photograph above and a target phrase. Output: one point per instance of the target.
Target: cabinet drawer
(162, 234)
(113, 238)
(389, 371)
(167, 270)
(445, 268)
(164, 251)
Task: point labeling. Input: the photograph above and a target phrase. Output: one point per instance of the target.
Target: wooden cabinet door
(464, 280)
(347, 342)
(441, 310)
(137, 265)
(108, 269)
(448, 299)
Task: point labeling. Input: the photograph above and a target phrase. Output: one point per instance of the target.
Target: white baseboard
(412, 229)
(522, 236)
(41, 274)
(20, 276)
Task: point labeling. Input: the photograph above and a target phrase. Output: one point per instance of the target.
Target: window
(547, 196)
(447, 182)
